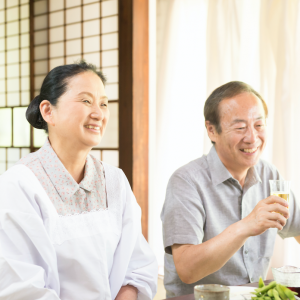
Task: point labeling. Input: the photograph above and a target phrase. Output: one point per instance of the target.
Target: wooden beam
(133, 95)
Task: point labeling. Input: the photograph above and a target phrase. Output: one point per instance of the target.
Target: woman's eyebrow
(91, 95)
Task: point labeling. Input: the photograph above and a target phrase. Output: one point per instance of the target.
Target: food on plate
(272, 291)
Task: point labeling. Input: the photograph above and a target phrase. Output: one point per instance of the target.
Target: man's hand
(271, 212)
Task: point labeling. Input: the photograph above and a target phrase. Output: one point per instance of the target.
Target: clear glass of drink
(280, 188)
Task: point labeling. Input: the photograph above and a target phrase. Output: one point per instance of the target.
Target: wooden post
(133, 95)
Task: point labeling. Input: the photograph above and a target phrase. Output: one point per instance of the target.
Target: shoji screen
(69, 30)
(14, 81)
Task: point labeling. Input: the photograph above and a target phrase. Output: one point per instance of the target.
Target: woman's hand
(127, 292)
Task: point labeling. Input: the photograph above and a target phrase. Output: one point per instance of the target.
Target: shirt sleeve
(27, 257)
(133, 255)
(183, 214)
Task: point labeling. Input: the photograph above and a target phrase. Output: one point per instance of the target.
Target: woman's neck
(71, 156)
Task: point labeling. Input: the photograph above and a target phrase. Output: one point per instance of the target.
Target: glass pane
(41, 67)
(56, 4)
(24, 152)
(110, 58)
(39, 137)
(2, 160)
(12, 14)
(71, 3)
(40, 22)
(12, 71)
(73, 31)
(91, 11)
(40, 37)
(109, 41)
(11, 3)
(2, 72)
(2, 30)
(5, 127)
(25, 54)
(56, 49)
(25, 98)
(13, 99)
(73, 15)
(12, 28)
(2, 86)
(96, 154)
(12, 85)
(112, 91)
(112, 74)
(109, 8)
(38, 80)
(2, 44)
(54, 62)
(72, 59)
(2, 4)
(21, 128)
(25, 69)
(12, 56)
(109, 24)
(40, 7)
(91, 44)
(12, 42)
(24, 1)
(25, 11)
(111, 157)
(93, 58)
(88, 1)
(25, 84)
(40, 52)
(56, 18)
(2, 16)
(13, 155)
(56, 34)
(25, 25)
(111, 135)
(2, 100)
(2, 58)
(91, 28)
(73, 47)
(25, 40)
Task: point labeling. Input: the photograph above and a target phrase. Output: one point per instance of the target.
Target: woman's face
(81, 113)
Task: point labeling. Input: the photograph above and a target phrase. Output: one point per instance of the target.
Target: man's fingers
(275, 224)
(278, 208)
(275, 199)
(277, 218)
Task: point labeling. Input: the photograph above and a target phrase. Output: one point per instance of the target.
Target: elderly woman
(69, 223)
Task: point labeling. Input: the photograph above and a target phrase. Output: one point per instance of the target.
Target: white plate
(241, 292)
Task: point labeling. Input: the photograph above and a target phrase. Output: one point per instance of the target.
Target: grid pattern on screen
(14, 81)
(66, 31)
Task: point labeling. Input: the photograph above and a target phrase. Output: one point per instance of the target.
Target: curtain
(202, 44)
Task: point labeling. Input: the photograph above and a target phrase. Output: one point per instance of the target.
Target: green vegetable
(266, 288)
(276, 295)
(281, 292)
(288, 293)
(261, 282)
(270, 293)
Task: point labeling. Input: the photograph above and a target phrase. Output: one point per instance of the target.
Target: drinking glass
(211, 292)
(280, 188)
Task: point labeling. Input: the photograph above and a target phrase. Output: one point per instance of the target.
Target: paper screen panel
(21, 128)
(111, 157)
(13, 155)
(39, 137)
(5, 127)
(2, 160)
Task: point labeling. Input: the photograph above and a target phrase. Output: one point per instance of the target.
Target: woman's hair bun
(33, 114)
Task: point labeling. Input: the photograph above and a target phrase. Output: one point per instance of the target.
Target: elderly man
(219, 224)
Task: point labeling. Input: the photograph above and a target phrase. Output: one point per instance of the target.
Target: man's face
(243, 136)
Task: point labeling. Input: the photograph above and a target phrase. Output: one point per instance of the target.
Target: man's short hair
(225, 91)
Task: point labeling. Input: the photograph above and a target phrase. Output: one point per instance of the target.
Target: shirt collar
(90, 173)
(219, 172)
(62, 180)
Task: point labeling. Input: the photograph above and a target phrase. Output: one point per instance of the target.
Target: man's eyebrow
(91, 95)
(244, 121)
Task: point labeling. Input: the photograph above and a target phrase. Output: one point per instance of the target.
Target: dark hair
(53, 87)
(225, 91)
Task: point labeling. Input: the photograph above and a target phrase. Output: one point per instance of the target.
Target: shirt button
(246, 251)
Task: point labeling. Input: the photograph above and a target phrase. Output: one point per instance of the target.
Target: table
(191, 296)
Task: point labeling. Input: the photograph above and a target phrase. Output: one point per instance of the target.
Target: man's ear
(211, 131)
(46, 110)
